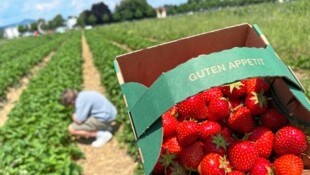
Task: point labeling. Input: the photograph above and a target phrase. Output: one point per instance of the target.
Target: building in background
(71, 22)
(161, 12)
(11, 33)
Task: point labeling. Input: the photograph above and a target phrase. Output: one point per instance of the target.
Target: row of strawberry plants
(34, 140)
(123, 37)
(103, 55)
(13, 50)
(13, 70)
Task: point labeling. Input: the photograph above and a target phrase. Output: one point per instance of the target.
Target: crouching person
(92, 117)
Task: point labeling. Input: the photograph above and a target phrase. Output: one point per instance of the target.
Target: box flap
(145, 66)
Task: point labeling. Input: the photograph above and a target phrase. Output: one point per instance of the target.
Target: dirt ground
(109, 159)
(14, 93)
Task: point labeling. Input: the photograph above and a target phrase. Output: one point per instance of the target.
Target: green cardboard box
(156, 78)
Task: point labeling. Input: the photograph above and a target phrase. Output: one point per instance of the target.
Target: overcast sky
(13, 11)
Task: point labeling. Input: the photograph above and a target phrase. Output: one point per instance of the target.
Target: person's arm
(82, 111)
(75, 119)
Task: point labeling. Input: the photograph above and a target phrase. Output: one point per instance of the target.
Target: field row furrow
(13, 70)
(11, 52)
(103, 54)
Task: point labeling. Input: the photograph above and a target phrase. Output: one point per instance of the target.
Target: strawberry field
(34, 139)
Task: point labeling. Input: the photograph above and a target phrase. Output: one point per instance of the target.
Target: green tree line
(128, 10)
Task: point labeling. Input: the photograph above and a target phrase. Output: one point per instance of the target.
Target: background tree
(92, 20)
(134, 9)
(57, 21)
(117, 17)
(22, 29)
(33, 26)
(81, 21)
(100, 11)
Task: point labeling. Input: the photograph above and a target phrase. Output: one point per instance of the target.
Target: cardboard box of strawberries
(220, 102)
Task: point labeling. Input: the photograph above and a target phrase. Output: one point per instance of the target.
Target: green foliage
(34, 140)
(134, 9)
(33, 26)
(22, 29)
(57, 21)
(92, 20)
(18, 59)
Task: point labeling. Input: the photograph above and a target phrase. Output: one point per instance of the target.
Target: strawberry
(289, 140)
(262, 167)
(242, 155)
(170, 124)
(191, 156)
(208, 128)
(187, 132)
(214, 164)
(235, 172)
(288, 164)
(263, 139)
(257, 103)
(171, 145)
(256, 85)
(214, 92)
(193, 107)
(273, 120)
(234, 90)
(219, 107)
(216, 144)
(234, 102)
(173, 111)
(241, 120)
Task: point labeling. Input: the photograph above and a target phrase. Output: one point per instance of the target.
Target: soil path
(14, 93)
(122, 46)
(109, 159)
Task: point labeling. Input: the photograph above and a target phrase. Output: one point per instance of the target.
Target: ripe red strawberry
(214, 92)
(235, 172)
(193, 107)
(171, 145)
(263, 139)
(262, 167)
(289, 140)
(257, 103)
(216, 144)
(234, 90)
(241, 120)
(214, 164)
(219, 107)
(191, 155)
(256, 85)
(187, 132)
(288, 164)
(234, 102)
(242, 155)
(170, 124)
(208, 128)
(273, 120)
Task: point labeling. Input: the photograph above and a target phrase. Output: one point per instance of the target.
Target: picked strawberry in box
(224, 95)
